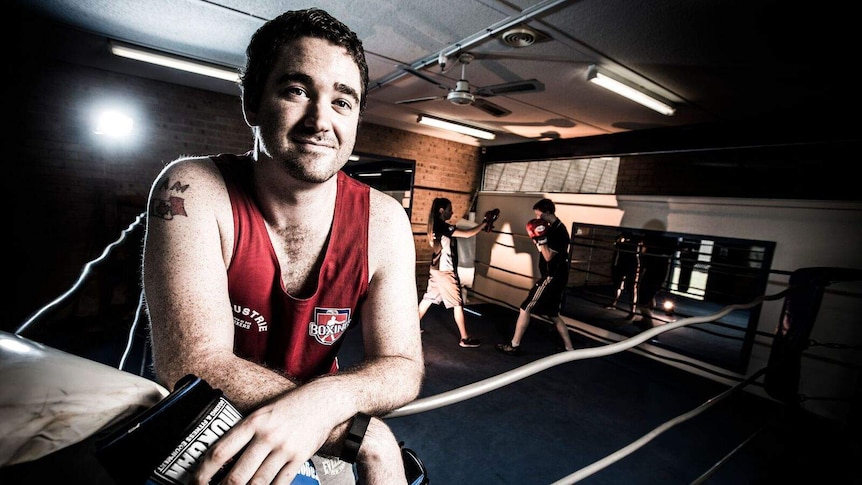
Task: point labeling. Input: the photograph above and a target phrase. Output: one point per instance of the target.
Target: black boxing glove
(537, 229)
(489, 219)
(165, 443)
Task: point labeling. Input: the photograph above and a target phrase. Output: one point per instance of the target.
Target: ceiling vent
(521, 37)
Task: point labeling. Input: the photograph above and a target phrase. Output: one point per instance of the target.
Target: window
(575, 176)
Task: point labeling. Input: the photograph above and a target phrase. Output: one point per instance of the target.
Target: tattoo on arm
(169, 206)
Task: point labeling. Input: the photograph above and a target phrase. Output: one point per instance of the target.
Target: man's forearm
(378, 385)
(246, 384)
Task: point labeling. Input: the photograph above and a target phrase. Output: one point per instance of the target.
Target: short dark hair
(263, 49)
(545, 205)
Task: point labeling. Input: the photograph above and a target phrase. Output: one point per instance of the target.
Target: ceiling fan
(465, 94)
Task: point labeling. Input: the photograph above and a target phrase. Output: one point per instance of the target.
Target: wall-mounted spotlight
(113, 124)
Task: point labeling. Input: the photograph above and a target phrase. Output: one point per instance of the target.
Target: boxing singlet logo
(329, 324)
(245, 318)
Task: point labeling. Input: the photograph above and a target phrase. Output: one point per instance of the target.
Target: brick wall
(72, 194)
(443, 169)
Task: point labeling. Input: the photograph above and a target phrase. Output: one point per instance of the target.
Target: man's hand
(271, 444)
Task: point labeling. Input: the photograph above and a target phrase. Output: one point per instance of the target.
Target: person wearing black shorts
(544, 298)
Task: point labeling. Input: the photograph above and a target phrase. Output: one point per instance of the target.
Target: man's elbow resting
(415, 382)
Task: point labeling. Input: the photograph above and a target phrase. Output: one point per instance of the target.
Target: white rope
(506, 378)
(640, 442)
(84, 273)
(492, 383)
(132, 330)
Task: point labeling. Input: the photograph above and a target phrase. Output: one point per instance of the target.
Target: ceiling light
(633, 94)
(173, 62)
(456, 127)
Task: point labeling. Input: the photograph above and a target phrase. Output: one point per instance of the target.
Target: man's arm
(186, 256)
(389, 376)
(390, 316)
(393, 362)
(188, 242)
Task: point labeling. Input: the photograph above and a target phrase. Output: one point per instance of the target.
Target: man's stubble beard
(307, 167)
(304, 166)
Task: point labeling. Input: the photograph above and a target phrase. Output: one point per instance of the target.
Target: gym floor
(552, 424)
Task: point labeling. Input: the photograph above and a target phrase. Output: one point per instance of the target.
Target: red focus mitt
(489, 219)
(537, 229)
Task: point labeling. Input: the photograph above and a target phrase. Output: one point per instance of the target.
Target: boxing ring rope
(501, 380)
(643, 440)
(701, 479)
(84, 273)
(132, 330)
(492, 383)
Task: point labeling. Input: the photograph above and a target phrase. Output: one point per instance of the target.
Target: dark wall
(811, 171)
(755, 159)
(72, 192)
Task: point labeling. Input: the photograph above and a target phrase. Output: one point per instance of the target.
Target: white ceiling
(716, 60)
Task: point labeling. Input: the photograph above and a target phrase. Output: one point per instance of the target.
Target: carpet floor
(546, 427)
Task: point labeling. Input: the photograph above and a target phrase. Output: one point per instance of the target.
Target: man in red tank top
(256, 264)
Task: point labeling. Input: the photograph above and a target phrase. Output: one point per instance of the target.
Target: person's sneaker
(469, 342)
(509, 349)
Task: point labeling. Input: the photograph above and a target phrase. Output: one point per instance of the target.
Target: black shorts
(545, 297)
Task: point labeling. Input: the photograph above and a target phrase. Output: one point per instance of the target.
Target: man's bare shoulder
(183, 173)
(199, 166)
(384, 205)
(390, 235)
(189, 186)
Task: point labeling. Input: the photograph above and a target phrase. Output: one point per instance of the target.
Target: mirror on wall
(628, 280)
(393, 176)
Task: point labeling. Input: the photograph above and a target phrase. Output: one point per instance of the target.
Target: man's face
(309, 110)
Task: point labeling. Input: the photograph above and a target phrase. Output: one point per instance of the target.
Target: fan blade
(517, 87)
(424, 77)
(491, 108)
(417, 100)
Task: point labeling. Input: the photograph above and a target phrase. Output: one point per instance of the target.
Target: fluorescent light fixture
(456, 127)
(173, 62)
(593, 75)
